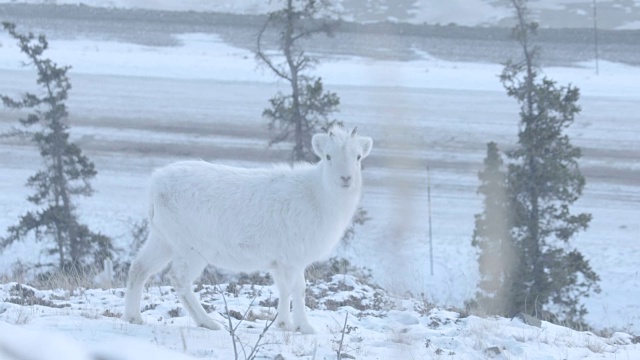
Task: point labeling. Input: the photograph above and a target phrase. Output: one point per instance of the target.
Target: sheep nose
(346, 179)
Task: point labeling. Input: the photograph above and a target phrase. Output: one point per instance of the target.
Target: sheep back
(247, 219)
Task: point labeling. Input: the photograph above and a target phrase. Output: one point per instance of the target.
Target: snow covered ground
(137, 107)
(84, 324)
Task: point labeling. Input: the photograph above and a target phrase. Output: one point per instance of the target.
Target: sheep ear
(318, 143)
(366, 143)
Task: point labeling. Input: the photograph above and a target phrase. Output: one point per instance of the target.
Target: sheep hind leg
(183, 273)
(300, 321)
(152, 257)
(283, 282)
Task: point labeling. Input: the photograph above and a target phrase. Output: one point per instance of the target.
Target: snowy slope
(550, 13)
(84, 324)
(423, 111)
(150, 94)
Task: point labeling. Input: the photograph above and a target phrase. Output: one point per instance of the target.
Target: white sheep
(279, 219)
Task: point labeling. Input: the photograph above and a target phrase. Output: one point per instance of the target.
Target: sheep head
(341, 154)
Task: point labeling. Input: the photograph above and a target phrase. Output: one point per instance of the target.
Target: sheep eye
(359, 157)
(328, 157)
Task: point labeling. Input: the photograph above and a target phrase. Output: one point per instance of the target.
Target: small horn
(353, 132)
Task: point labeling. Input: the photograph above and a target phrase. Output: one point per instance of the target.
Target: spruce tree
(496, 254)
(67, 171)
(307, 108)
(301, 113)
(544, 180)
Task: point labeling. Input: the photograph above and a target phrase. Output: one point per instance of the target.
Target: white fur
(280, 220)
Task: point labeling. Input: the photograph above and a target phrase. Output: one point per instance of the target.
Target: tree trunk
(58, 199)
(63, 200)
(534, 238)
(298, 149)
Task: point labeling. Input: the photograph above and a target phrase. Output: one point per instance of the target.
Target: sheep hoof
(306, 329)
(284, 324)
(211, 325)
(133, 319)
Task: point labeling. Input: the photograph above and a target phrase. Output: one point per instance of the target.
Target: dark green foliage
(66, 173)
(543, 180)
(303, 112)
(298, 115)
(313, 108)
(496, 255)
(359, 218)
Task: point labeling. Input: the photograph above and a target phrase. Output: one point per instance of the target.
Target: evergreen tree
(298, 115)
(66, 173)
(544, 180)
(496, 254)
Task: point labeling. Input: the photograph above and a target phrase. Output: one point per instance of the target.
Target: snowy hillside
(84, 324)
(138, 106)
(550, 13)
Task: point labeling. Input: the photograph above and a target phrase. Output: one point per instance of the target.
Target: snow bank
(20, 343)
(84, 324)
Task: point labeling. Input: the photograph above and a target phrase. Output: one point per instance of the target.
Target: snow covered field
(83, 325)
(137, 107)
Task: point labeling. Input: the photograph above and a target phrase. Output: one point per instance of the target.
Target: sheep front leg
(283, 282)
(300, 321)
